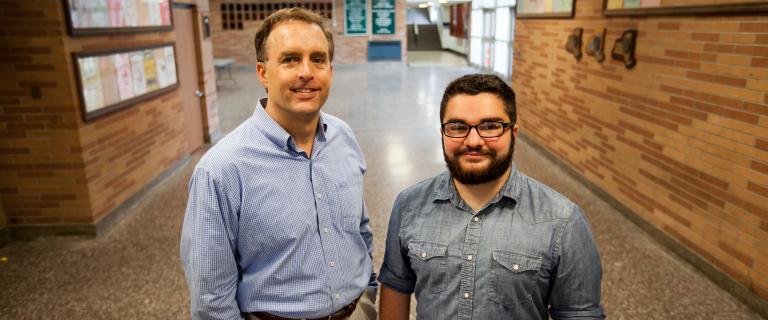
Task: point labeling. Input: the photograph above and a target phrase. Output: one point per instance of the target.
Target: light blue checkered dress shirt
(269, 229)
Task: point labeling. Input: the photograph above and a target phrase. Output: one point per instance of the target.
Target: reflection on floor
(436, 59)
(134, 272)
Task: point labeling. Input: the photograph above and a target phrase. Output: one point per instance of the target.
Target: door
(189, 86)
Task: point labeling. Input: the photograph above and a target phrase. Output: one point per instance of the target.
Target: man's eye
(318, 60)
(489, 125)
(289, 60)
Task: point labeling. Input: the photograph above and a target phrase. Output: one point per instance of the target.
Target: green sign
(383, 16)
(355, 12)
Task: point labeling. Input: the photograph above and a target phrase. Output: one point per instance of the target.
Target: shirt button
(338, 296)
(475, 219)
(285, 148)
(466, 296)
(319, 196)
(325, 230)
(470, 257)
(515, 267)
(423, 254)
(332, 263)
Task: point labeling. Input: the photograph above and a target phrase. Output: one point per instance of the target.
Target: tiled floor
(133, 272)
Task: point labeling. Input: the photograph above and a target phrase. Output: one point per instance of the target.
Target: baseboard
(100, 227)
(721, 279)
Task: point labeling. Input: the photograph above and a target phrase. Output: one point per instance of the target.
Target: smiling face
(297, 72)
(473, 159)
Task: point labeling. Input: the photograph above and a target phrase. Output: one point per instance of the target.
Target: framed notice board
(115, 79)
(355, 21)
(383, 16)
(678, 7)
(93, 17)
(544, 9)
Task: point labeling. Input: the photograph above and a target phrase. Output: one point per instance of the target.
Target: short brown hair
(289, 14)
(474, 84)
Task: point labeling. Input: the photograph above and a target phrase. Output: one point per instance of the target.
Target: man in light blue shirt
(483, 240)
(275, 226)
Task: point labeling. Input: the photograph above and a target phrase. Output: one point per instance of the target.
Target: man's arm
(394, 304)
(576, 284)
(365, 232)
(207, 249)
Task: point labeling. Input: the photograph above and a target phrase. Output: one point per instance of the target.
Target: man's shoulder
(545, 202)
(226, 154)
(423, 192)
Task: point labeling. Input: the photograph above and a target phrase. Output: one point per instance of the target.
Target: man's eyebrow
(481, 120)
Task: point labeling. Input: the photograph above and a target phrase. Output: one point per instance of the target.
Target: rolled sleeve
(396, 272)
(208, 249)
(576, 288)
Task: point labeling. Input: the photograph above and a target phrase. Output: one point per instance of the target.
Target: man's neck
(478, 195)
(301, 129)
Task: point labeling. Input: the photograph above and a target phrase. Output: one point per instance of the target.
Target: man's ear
(514, 130)
(261, 70)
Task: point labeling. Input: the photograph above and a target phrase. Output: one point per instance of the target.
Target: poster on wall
(91, 17)
(383, 17)
(545, 9)
(659, 7)
(355, 13)
(115, 79)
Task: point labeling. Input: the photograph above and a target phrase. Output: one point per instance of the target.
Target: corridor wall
(237, 42)
(60, 174)
(680, 141)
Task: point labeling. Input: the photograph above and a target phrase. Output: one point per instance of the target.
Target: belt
(343, 313)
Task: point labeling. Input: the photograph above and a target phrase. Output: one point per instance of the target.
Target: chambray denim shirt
(527, 250)
(268, 228)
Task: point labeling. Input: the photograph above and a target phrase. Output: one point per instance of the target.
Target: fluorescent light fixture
(422, 5)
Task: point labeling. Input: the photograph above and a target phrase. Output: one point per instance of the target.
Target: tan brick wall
(238, 44)
(681, 139)
(56, 168)
(42, 178)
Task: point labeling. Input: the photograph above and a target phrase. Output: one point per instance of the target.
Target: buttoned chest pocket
(513, 276)
(428, 261)
(349, 205)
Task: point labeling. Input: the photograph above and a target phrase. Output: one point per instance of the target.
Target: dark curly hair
(473, 84)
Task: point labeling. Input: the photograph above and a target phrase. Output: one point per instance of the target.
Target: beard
(495, 169)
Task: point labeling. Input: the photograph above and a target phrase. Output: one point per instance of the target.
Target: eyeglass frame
(504, 127)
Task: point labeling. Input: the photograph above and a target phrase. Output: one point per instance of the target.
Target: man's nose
(305, 70)
(474, 138)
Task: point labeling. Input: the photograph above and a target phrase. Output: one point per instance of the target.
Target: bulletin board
(116, 79)
(93, 17)
(681, 7)
(544, 9)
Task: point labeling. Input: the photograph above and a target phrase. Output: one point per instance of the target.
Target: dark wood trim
(742, 8)
(89, 116)
(84, 32)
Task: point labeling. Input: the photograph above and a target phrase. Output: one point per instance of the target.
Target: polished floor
(134, 272)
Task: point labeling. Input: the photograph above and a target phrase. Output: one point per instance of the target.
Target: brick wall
(42, 178)
(55, 168)
(681, 139)
(238, 44)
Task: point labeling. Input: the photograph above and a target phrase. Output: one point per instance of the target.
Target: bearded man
(483, 240)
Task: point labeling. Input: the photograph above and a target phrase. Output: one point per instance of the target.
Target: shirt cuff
(392, 281)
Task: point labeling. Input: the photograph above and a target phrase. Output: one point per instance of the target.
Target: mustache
(479, 149)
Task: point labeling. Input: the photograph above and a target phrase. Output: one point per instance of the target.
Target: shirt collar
(275, 133)
(447, 190)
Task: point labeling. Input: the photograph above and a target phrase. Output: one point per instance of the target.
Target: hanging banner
(355, 22)
(383, 16)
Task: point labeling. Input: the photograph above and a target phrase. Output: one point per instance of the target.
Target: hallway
(134, 271)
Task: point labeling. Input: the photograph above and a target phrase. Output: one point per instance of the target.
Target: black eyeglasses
(486, 129)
